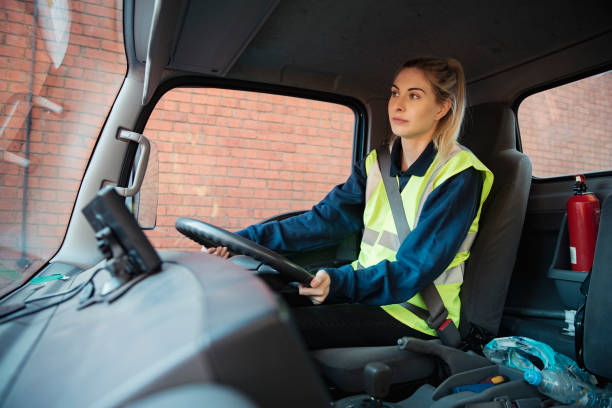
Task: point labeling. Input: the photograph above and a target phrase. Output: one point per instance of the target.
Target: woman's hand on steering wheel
(319, 288)
(219, 251)
(222, 240)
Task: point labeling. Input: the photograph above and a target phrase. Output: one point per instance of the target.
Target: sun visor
(215, 33)
(201, 36)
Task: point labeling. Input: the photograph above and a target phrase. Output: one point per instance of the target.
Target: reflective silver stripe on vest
(467, 242)
(369, 236)
(389, 240)
(453, 275)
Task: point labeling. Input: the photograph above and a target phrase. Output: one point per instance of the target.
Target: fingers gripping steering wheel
(210, 235)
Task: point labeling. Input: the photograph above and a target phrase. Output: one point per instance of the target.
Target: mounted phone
(117, 231)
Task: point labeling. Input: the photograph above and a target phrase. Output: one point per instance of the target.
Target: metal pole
(24, 262)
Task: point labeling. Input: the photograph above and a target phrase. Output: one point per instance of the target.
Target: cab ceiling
(354, 46)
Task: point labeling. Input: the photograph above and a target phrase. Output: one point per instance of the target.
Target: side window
(568, 130)
(234, 158)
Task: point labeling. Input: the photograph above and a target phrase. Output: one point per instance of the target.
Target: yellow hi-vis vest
(380, 240)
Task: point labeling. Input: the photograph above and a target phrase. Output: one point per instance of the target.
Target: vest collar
(420, 165)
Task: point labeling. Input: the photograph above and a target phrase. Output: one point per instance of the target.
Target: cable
(77, 288)
(72, 293)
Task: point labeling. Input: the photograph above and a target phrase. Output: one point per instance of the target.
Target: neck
(412, 149)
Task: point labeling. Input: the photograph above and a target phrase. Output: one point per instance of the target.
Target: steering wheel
(209, 235)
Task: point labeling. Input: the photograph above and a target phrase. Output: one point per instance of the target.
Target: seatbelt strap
(437, 315)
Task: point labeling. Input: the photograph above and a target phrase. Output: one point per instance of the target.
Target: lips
(399, 121)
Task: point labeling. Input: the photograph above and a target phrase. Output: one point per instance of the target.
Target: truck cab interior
(188, 328)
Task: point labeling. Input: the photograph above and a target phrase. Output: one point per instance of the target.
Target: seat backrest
(597, 353)
(490, 132)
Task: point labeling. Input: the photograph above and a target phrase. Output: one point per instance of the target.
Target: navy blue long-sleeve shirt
(425, 253)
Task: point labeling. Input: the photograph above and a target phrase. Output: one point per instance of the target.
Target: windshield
(62, 64)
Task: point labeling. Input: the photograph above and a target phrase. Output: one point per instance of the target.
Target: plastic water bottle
(566, 389)
(521, 352)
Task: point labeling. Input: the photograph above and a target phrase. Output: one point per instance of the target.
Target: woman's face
(413, 110)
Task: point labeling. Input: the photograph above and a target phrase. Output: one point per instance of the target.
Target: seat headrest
(495, 130)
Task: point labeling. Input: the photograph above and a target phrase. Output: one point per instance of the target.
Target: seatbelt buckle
(440, 318)
(449, 334)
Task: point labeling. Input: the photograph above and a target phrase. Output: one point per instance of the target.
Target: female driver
(443, 187)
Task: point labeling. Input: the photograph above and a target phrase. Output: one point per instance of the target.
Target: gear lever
(377, 380)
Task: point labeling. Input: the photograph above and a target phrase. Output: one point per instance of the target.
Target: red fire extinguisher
(583, 221)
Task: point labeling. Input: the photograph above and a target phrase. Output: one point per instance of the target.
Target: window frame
(359, 110)
(545, 87)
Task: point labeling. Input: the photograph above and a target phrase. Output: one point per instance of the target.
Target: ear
(443, 109)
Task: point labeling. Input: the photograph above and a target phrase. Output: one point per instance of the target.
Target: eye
(414, 96)
(394, 93)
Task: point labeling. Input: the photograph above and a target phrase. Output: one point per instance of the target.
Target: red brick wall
(60, 143)
(233, 158)
(568, 130)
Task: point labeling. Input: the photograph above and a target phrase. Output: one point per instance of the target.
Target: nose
(398, 104)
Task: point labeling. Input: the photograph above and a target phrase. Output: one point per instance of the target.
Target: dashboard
(199, 320)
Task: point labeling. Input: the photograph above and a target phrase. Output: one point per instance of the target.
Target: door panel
(535, 305)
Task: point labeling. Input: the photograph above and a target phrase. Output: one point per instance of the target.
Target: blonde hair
(447, 79)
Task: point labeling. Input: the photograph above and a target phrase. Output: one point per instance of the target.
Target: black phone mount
(118, 263)
(127, 250)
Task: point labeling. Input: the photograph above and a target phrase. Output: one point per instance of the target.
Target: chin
(404, 135)
(400, 132)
